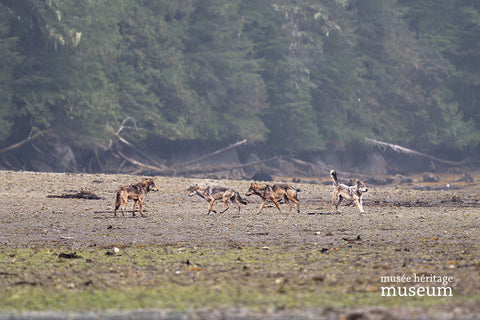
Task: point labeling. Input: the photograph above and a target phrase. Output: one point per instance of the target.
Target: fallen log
(21, 143)
(152, 170)
(221, 167)
(138, 163)
(399, 149)
(84, 194)
(236, 144)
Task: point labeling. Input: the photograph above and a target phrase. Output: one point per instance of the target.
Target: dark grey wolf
(136, 192)
(274, 193)
(349, 193)
(211, 194)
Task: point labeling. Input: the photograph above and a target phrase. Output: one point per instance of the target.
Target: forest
(286, 75)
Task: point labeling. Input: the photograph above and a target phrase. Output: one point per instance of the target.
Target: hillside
(85, 78)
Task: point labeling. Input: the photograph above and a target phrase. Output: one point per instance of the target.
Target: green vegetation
(182, 279)
(277, 72)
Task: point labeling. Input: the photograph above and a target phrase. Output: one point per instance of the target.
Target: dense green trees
(294, 74)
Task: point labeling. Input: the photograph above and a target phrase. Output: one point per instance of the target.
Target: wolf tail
(333, 174)
(117, 200)
(238, 197)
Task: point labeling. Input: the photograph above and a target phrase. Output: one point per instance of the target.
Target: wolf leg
(261, 206)
(133, 208)
(277, 204)
(210, 207)
(225, 201)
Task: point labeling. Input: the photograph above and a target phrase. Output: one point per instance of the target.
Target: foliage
(8, 58)
(295, 75)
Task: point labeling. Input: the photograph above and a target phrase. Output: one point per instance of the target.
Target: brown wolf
(137, 192)
(211, 194)
(274, 193)
(349, 193)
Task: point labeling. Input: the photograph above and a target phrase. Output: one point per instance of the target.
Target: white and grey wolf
(349, 193)
(136, 192)
(211, 194)
(274, 193)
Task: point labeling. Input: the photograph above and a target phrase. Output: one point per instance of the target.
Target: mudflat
(414, 254)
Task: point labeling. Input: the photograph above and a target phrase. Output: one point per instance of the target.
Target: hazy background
(147, 86)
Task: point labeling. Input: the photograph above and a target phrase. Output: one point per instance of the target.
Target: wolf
(211, 194)
(137, 192)
(274, 193)
(349, 193)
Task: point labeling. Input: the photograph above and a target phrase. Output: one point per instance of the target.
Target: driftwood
(123, 125)
(84, 194)
(180, 171)
(216, 168)
(236, 144)
(30, 137)
(180, 168)
(399, 149)
(138, 163)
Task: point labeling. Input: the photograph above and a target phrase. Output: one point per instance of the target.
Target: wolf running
(276, 193)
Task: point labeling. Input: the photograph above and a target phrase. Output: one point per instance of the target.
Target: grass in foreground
(181, 279)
